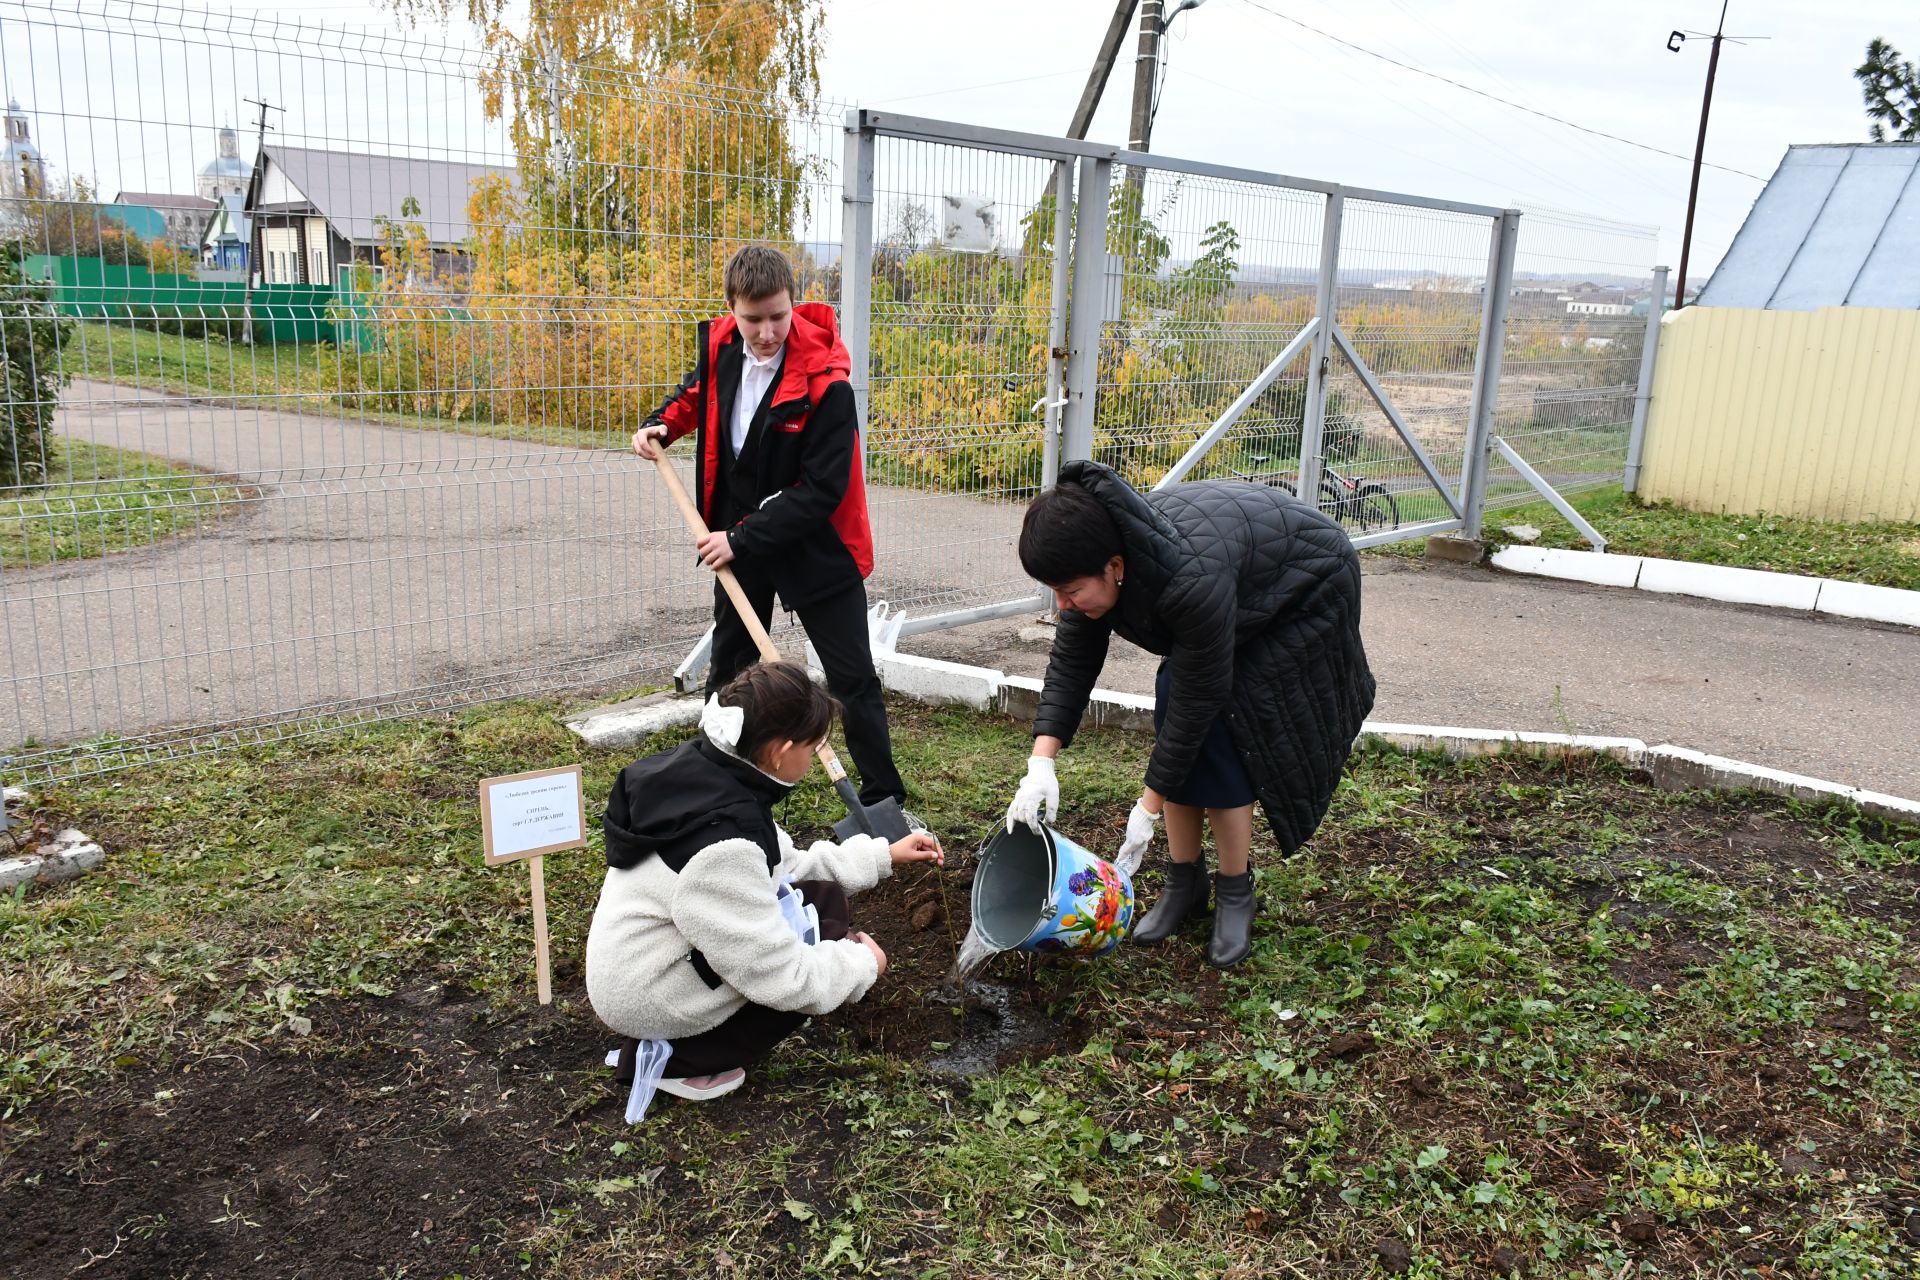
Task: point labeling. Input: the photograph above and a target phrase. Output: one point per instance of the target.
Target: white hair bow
(722, 725)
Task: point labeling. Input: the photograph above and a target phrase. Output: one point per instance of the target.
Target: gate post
(856, 262)
(1057, 325)
(1643, 394)
(1326, 301)
(1089, 295)
(1486, 373)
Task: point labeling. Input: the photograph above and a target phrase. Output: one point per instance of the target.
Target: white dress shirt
(755, 375)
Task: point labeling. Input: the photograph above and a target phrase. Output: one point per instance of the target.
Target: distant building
(1432, 284)
(226, 174)
(312, 212)
(24, 176)
(182, 219)
(224, 245)
(1577, 308)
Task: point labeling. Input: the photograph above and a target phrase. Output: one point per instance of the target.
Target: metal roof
(165, 200)
(1838, 225)
(352, 189)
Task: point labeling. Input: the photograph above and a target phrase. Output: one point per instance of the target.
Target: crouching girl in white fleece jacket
(716, 937)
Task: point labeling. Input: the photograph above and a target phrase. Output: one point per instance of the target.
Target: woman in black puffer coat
(1252, 598)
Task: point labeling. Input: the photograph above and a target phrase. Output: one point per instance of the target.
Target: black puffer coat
(1255, 597)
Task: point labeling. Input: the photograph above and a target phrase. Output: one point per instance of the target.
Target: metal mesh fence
(1576, 321)
(325, 413)
(1411, 286)
(962, 327)
(369, 453)
(1207, 281)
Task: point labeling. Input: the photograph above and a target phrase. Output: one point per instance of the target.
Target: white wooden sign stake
(529, 815)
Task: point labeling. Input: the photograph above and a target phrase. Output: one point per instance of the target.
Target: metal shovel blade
(885, 820)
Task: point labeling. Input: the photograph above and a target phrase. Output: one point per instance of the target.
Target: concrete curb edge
(937, 682)
(1716, 582)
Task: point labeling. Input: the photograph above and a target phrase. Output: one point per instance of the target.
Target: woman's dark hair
(782, 705)
(1067, 534)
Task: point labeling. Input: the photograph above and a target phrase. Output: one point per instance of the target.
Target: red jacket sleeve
(681, 410)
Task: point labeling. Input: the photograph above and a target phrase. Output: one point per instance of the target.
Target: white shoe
(701, 1088)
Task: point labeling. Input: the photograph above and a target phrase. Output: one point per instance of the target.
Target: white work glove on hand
(1140, 825)
(1040, 788)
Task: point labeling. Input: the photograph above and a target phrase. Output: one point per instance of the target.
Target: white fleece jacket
(641, 979)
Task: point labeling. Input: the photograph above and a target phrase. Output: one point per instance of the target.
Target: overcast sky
(1248, 88)
(1243, 86)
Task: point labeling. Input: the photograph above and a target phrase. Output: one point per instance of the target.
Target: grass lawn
(1502, 1017)
(1885, 553)
(316, 378)
(102, 500)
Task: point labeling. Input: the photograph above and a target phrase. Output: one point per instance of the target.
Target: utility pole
(1102, 68)
(1146, 71)
(256, 235)
(1674, 42)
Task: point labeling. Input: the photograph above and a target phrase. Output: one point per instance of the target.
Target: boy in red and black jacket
(777, 476)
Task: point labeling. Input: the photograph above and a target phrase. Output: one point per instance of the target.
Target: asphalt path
(1477, 648)
(373, 564)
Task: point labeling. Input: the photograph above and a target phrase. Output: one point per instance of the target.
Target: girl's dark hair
(1067, 534)
(782, 705)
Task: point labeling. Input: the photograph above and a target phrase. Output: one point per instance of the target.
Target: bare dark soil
(422, 1133)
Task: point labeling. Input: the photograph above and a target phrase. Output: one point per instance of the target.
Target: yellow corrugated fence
(1803, 413)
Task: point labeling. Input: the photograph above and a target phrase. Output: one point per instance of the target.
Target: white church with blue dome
(226, 174)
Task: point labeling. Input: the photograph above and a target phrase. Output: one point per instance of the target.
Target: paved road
(376, 563)
(1456, 646)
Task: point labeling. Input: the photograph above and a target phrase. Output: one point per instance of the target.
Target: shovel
(884, 819)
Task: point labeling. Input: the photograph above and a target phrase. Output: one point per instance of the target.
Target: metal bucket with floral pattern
(1046, 893)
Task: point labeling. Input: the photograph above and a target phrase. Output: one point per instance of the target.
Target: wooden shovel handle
(741, 605)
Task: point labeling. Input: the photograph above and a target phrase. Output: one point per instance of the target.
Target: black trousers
(753, 1030)
(837, 626)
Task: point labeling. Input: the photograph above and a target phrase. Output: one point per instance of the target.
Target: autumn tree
(652, 137)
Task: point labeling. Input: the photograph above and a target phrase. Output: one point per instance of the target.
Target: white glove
(1040, 788)
(1140, 825)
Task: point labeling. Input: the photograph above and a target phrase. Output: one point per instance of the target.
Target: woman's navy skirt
(1218, 780)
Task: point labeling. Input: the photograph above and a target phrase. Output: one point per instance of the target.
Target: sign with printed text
(523, 815)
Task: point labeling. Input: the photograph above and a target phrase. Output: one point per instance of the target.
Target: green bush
(31, 335)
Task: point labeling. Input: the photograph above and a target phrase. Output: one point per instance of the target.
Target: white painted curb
(1717, 582)
(1460, 743)
(1858, 600)
(630, 728)
(933, 681)
(1735, 586)
(1575, 566)
(1682, 768)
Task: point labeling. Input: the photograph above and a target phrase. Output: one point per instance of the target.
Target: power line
(1491, 97)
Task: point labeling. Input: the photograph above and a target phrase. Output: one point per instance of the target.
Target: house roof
(353, 189)
(164, 200)
(1838, 225)
(238, 225)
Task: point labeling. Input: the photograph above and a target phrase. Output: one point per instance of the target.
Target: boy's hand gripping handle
(836, 772)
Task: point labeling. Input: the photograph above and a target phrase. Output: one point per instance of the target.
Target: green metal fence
(91, 289)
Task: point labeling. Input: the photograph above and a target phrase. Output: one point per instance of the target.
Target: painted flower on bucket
(1104, 909)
